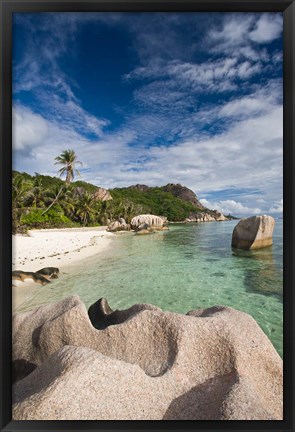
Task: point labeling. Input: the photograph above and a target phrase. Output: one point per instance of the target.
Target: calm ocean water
(191, 266)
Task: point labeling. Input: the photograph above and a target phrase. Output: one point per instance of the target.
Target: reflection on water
(190, 266)
(263, 275)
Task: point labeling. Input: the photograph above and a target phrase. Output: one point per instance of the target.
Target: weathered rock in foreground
(143, 364)
(155, 222)
(253, 233)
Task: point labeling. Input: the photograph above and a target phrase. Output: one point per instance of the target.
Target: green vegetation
(36, 218)
(87, 186)
(45, 202)
(48, 202)
(156, 201)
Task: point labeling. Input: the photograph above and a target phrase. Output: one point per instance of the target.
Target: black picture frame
(8, 7)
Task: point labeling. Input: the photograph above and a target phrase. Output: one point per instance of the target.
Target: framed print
(147, 208)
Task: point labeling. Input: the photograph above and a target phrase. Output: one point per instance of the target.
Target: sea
(188, 267)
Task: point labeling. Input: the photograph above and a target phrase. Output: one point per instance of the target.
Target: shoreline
(57, 247)
(62, 248)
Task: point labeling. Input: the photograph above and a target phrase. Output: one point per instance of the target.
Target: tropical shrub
(36, 218)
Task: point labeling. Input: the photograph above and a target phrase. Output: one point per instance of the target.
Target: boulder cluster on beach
(142, 224)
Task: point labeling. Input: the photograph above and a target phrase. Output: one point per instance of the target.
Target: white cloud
(246, 37)
(37, 141)
(262, 101)
(70, 114)
(246, 70)
(220, 75)
(246, 152)
(233, 32)
(231, 207)
(277, 207)
(244, 106)
(238, 31)
(267, 28)
(254, 55)
(76, 117)
(29, 129)
(247, 155)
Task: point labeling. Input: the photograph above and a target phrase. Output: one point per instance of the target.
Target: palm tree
(37, 195)
(20, 192)
(63, 197)
(68, 158)
(86, 208)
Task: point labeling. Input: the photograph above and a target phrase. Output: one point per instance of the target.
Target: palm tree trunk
(53, 202)
(68, 178)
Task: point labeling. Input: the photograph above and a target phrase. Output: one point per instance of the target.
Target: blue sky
(155, 98)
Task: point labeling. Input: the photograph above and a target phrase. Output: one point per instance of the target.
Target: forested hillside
(44, 201)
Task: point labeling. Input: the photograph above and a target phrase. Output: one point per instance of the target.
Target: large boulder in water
(143, 364)
(155, 222)
(253, 233)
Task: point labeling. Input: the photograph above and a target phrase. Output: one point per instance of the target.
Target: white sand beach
(57, 247)
(53, 248)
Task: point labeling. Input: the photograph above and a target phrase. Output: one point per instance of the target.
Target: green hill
(44, 201)
(155, 200)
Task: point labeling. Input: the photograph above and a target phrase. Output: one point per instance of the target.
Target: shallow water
(191, 266)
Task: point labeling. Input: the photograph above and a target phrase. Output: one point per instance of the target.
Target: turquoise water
(191, 266)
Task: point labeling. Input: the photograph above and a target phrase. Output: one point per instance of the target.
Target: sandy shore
(57, 247)
(53, 248)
